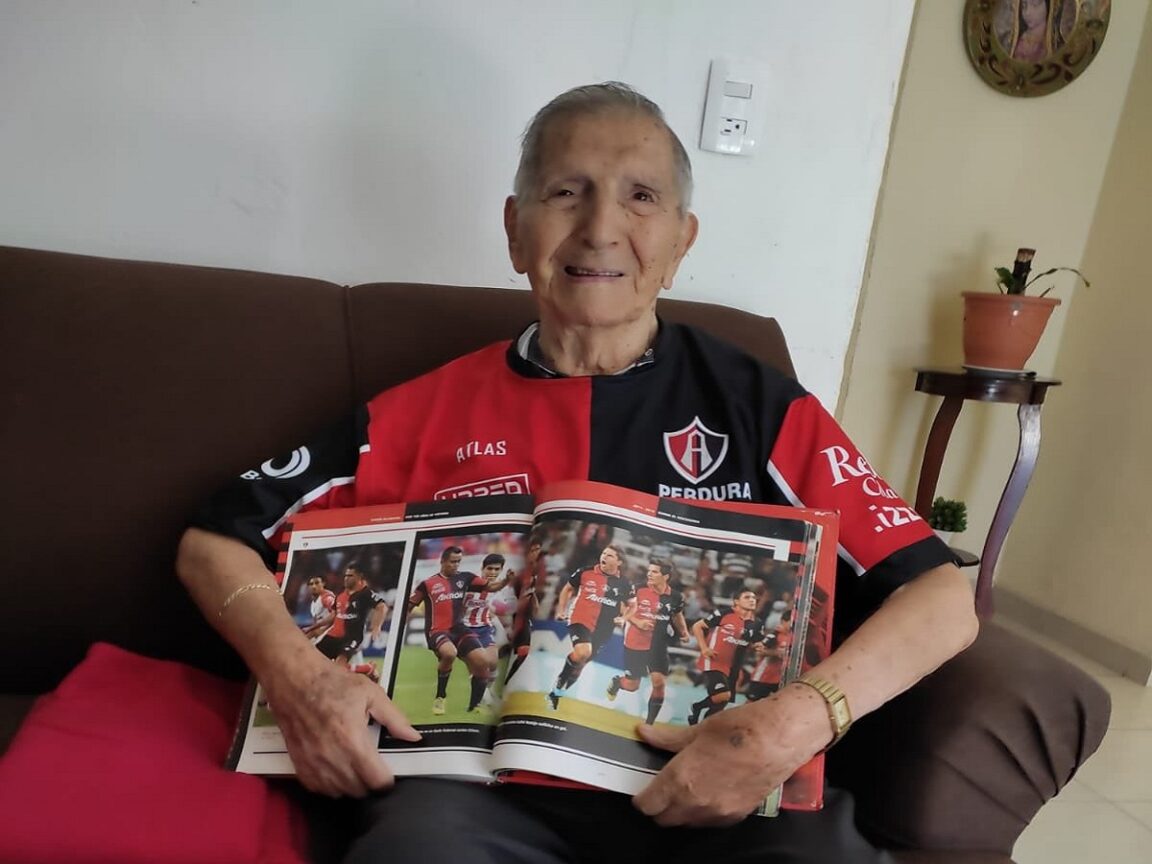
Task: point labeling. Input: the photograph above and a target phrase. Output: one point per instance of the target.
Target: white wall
(367, 140)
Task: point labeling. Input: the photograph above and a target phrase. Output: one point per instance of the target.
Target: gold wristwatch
(839, 714)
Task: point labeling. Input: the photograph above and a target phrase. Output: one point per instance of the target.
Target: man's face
(656, 578)
(451, 564)
(351, 580)
(609, 561)
(602, 230)
(315, 586)
(746, 601)
(492, 572)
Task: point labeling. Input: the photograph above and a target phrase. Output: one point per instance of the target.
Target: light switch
(739, 89)
(735, 107)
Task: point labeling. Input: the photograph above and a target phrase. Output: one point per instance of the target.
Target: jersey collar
(526, 349)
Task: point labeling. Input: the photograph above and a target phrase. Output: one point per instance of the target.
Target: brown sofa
(130, 390)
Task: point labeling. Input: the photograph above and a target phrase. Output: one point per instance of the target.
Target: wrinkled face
(609, 561)
(602, 230)
(315, 586)
(451, 564)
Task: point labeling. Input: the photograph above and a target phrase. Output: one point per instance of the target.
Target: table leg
(1026, 453)
(934, 452)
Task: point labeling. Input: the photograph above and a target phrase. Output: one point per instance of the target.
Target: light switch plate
(736, 106)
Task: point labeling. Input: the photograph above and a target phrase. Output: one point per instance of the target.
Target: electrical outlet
(733, 126)
(734, 108)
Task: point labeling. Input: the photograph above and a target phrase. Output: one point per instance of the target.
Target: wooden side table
(955, 385)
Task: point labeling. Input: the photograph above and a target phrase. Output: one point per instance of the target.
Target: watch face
(841, 715)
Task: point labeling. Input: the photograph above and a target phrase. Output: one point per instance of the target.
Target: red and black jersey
(656, 608)
(352, 609)
(445, 597)
(598, 597)
(729, 636)
(701, 420)
(770, 668)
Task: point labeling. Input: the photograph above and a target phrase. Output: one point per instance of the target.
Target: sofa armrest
(965, 759)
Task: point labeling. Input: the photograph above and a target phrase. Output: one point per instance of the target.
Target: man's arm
(376, 619)
(322, 710)
(561, 611)
(317, 627)
(757, 746)
(681, 627)
(698, 630)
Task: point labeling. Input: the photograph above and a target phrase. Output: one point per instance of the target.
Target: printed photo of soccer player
(462, 589)
(644, 632)
(342, 597)
(590, 602)
(724, 639)
(651, 613)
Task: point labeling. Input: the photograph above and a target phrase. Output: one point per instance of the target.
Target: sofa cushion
(123, 764)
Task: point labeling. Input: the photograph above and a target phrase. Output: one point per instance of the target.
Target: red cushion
(122, 763)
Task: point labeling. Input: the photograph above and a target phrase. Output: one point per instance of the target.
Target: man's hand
(728, 764)
(323, 711)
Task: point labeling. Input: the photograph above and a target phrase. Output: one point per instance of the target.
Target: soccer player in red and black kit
(520, 637)
(356, 606)
(648, 616)
(768, 673)
(598, 594)
(724, 637)
(443, 596)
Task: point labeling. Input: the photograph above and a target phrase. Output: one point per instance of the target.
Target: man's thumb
(671, 738)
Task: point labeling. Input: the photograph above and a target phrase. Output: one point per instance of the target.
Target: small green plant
(948, 515)
(1016, 281)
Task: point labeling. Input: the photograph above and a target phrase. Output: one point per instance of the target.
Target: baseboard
(1095, 646)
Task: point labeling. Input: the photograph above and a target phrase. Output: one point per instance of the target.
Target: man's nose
(603, 220)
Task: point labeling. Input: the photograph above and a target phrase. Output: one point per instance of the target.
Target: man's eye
(643, 195)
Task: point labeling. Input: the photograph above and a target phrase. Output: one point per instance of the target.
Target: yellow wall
(972, 175)
(1081, 549)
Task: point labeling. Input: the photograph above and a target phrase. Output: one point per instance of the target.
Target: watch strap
(839, 714)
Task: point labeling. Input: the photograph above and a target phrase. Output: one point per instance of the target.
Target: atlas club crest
(695, 451)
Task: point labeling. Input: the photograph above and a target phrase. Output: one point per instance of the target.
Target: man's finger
(670, 738)
(653, 800)
(386, 713)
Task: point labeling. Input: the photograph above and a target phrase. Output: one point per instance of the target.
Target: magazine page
(656, 610)
(419, 598)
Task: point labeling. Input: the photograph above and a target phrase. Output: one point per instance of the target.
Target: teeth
(581, 271)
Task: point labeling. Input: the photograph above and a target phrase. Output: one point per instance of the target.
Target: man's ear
(511, 229)
(689, 228)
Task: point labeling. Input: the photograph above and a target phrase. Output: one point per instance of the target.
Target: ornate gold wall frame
(1034, 47)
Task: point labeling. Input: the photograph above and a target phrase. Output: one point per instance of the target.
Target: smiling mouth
(587, 272)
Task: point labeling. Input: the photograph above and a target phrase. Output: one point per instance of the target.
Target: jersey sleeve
(882, 539)
(320, 473)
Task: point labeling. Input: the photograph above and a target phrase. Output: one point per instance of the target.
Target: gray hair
(592, 99)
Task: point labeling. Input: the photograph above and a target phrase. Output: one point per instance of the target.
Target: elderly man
(600, 389)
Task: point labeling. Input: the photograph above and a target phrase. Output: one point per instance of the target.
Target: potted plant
(948, 517)
(1002, 329)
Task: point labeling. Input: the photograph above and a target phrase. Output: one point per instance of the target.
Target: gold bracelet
(244, 589)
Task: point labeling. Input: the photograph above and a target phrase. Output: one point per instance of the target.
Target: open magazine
(526, 639)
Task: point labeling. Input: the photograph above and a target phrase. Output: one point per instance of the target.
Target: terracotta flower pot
(1002, 330)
